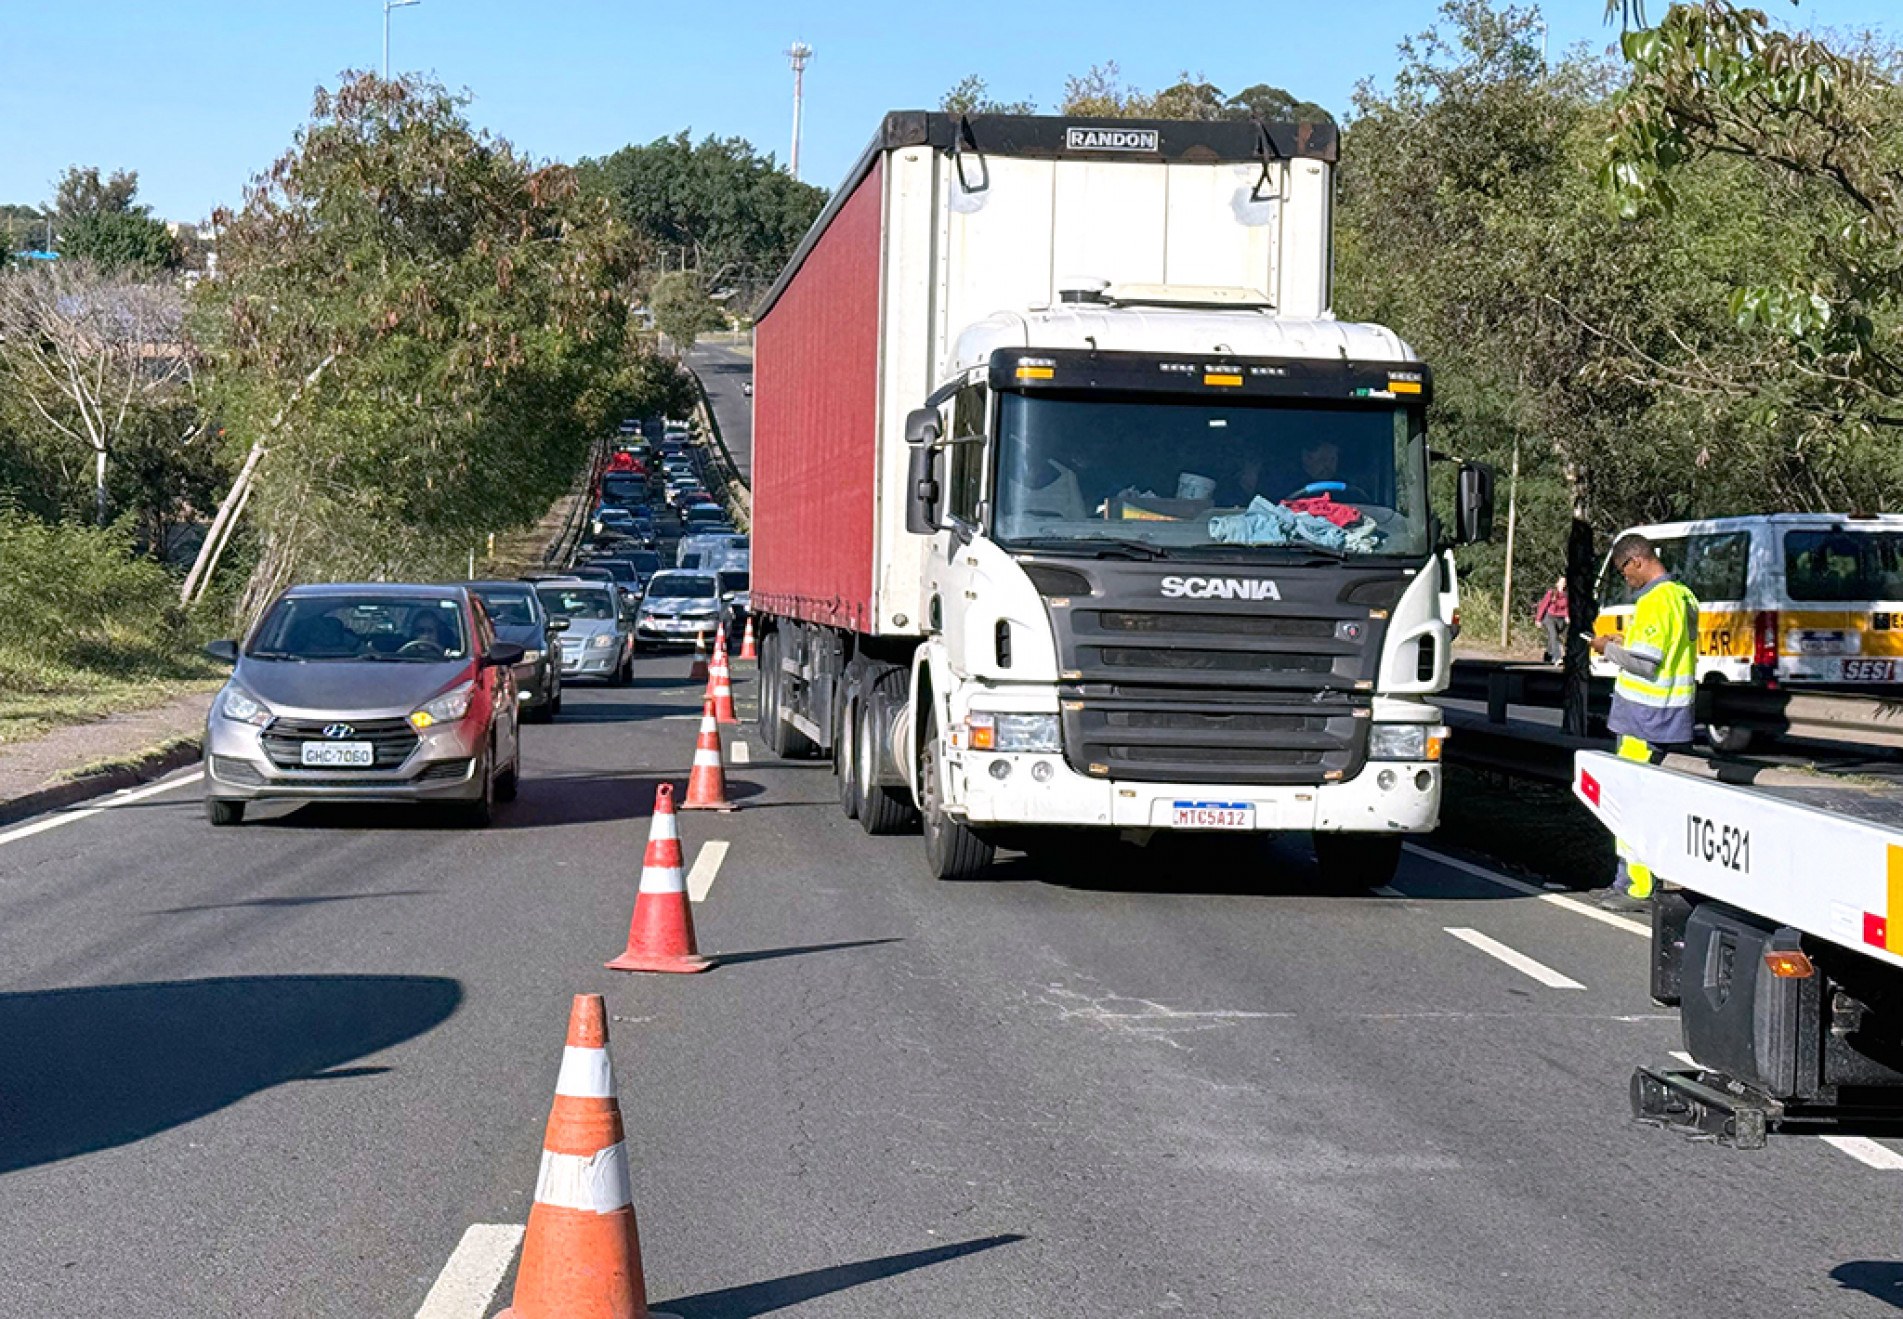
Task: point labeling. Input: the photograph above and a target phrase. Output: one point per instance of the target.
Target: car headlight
(240, 705)
(1405, 742)
(445, 709)
(531, 657)
(1013, 732)
(600, 639)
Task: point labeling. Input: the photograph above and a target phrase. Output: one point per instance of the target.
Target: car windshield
(584, 602)
(616, 569)
(420, 629)
(1843, 566)
(731, 580)
(1191, 474)
(681, 586)
(647, 561)
(508, 608)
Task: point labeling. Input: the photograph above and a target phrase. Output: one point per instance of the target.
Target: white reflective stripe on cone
(662, 879)
(585, 1074)
(706, 756)
(665, 826)
(596, 1183)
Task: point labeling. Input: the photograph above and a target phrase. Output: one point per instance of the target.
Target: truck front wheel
(845, 755)
(1352, 863)
(952, 850)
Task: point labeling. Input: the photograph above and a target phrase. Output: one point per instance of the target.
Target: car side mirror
(921, 479)
(504, 655)
(1473, 503)
(558, 624)
(224, 651)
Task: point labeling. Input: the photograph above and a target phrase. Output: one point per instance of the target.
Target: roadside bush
(80, 612)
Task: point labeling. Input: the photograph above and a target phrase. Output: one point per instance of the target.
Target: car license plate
(1869, 670)
(339, 755)
(1212, 815)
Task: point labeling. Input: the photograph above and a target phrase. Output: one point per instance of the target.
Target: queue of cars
(415, 692)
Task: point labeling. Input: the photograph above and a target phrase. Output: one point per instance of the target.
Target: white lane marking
(117, 799)
(467, 1285)
(1684, 1057)
(1519, 961)
(706, 866)
(1571, 904)
(740, 752)
(1867, 1152)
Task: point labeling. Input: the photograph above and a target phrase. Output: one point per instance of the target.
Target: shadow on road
(1207, 866)
(310, 900)
(90, 1069)
(1881, 1278)
(778, 1293)
(799, 950)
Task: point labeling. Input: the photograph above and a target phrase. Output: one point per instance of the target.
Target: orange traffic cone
(661, 932)
(720, 686)
(707, 781)
(698, 670)
(581, 1258)
(747, 652)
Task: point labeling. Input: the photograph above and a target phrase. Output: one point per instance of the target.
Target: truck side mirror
(1473, 503)
(921, 473)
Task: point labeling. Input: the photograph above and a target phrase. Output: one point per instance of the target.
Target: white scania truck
(1076, 509)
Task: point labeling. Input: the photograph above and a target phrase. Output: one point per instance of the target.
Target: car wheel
(1353, 863)
(479, 813)
(952, 851)
(223, 814)
(555, 705)
(509, 782)
(882, 810)
(845, 761)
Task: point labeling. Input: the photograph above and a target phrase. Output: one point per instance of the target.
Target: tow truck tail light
(1788, 964)
(1764, 643)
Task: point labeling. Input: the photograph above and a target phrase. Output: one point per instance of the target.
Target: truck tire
(882, 810)
(1352, 863)
(952, 851)
(1728, 738)
(845, 753)
(770, 676)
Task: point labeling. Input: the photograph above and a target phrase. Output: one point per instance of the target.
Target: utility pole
(1513, 509)
(798, 54)
(388, 5)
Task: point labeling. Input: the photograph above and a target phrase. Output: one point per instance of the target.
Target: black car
(518, 616)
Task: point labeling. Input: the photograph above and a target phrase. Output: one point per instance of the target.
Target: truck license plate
(1869, 670)
(339, 755)
(1213, 815)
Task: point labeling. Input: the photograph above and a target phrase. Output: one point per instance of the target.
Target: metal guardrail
(1848, 719)
(561, 550)
(739, 496)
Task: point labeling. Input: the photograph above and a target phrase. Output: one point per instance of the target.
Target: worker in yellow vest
(1656, 689)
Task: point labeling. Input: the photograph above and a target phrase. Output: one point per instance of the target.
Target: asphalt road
(722, 372)
(280, 1071)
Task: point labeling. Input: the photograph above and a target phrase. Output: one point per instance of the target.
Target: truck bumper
(1040, 789)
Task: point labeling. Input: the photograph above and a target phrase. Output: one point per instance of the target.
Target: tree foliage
(81, 191)
(416, 332)
(682, 309)
(717, 206)
(1101, 92)
(99, 221)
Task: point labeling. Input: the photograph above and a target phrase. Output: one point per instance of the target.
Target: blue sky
(198, 95)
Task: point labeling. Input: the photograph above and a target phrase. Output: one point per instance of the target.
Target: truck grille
(393, 739)
(1161, 735)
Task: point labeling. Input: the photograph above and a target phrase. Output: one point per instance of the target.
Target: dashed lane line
(1571, 904)
(740, 752)
(706, 866)
(117, 799)
(467, 1285)
(1867, 1152)
(1519, 961)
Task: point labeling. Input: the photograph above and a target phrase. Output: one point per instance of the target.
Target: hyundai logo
(337, 732)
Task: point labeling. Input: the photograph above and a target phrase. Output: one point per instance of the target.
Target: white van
(1782, 597)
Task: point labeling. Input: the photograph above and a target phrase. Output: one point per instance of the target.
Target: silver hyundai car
(366, 693)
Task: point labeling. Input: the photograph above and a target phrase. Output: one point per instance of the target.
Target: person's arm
(1639, 662)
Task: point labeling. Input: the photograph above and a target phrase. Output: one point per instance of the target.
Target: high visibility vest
(1664, 627)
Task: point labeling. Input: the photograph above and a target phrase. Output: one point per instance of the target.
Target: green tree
(717, 207)
(682, 310)
(82, 192)
(972, 95)
(1274, 104)
(119, 241)
(416, 333)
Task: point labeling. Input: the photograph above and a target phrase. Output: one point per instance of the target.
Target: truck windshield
(1190, 474)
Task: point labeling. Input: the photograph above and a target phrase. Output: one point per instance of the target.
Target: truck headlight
(1405, 742)
(1012, 732)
